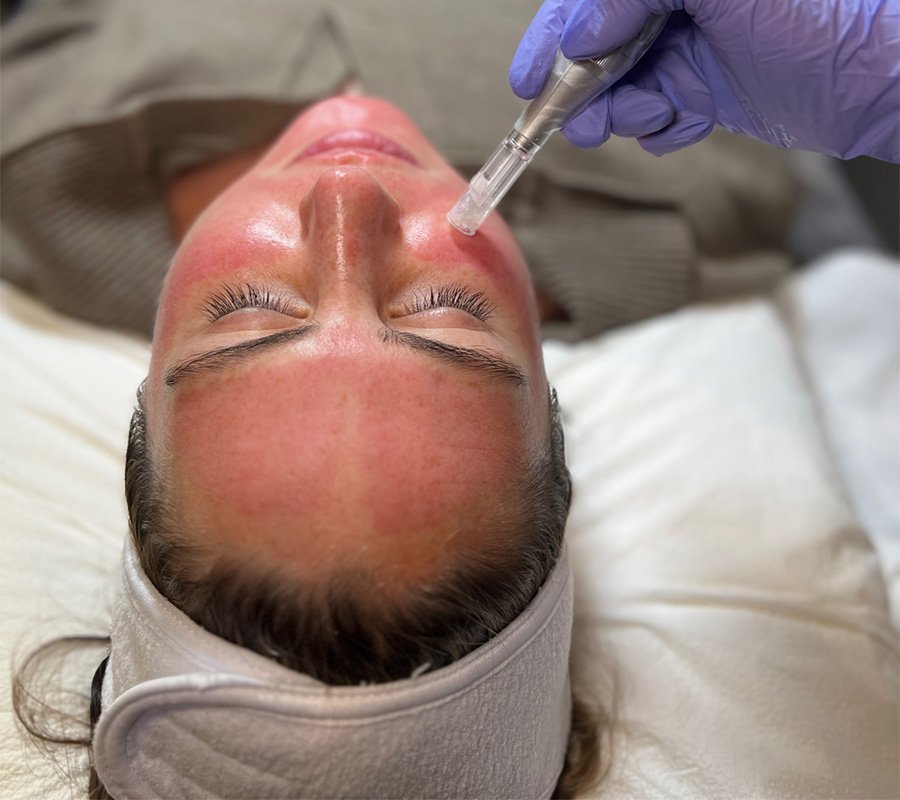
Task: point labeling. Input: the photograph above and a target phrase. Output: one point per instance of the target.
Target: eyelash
(231, 299)
(453, 296)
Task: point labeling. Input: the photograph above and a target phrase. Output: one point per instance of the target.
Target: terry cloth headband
(189, 715)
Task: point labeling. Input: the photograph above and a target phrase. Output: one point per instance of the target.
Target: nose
(349, 221)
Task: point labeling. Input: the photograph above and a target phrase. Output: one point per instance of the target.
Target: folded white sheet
(723, 585)
(844, 316)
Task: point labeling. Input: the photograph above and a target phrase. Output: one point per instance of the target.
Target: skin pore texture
(399, 394)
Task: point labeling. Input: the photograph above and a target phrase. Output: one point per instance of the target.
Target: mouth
(356, 141)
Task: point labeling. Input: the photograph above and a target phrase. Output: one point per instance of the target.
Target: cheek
(236, 236)
(237, 232)
(430, 239)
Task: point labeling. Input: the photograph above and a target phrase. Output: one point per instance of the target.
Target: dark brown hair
(334, 631)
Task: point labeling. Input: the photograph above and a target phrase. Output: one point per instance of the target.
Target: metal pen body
(573, 84)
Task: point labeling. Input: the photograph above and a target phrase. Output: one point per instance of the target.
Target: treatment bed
(735, 532)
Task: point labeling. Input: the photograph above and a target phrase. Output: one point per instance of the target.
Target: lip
(356, 140)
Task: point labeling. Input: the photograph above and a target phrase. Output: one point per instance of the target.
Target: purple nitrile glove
(820, 75)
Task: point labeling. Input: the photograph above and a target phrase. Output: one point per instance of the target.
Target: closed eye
(230, 299)
(453, 296)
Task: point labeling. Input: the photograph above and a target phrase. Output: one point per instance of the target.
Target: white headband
(187, 714)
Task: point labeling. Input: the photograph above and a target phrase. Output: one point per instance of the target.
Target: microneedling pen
(570, 86)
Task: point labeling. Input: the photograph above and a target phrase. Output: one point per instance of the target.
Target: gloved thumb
(596, 27)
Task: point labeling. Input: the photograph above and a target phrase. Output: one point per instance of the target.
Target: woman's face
(338, 375)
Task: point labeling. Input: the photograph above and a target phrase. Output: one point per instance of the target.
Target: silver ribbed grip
(573, 84)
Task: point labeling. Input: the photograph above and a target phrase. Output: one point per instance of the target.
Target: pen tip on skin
(462, 227)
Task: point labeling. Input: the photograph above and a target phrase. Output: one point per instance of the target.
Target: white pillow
(719, 569)
(66, 394)
(723, 584)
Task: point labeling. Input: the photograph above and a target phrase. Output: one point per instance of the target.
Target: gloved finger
(637, 112)
(688, 128)
(536, 52)
(592, 126)
(682, 76)
(624, 111)
(595, 27)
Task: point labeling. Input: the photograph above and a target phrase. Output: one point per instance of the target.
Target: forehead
(344, 453)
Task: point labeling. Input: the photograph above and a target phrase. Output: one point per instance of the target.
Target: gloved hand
(815, 74)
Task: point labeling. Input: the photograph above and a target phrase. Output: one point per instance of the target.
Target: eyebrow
(484, 361)
(223, 357)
